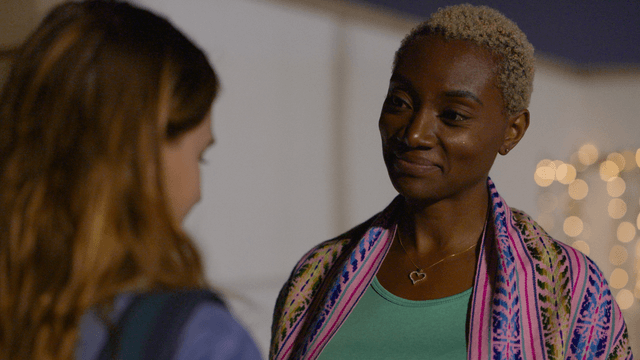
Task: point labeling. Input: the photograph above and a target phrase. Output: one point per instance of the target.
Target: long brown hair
(91, 96)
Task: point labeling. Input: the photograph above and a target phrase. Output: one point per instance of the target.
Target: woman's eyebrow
(397, 78)
(464, 94)
(403, 84)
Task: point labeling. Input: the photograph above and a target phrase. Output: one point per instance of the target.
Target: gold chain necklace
(418, 275)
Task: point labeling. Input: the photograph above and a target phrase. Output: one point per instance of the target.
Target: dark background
(586, 34)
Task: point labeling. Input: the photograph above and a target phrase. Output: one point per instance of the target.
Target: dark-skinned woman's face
(443, 121)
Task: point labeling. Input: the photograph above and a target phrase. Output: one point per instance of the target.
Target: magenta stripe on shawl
(592, 329)
(478, 333)
(528, 326)
(286, 352)
(581, 284)
(290, 339)
(576, 263)
(504, 230)
(355, 291)
(476, 326)
(530, 288)
(619, 324)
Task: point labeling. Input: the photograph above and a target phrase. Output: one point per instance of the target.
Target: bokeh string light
(545, 173)
(589, 175)
(616, 187)
(578, 189)
(573, 226)
(629, 160)
(588, 154)
(582, 247)
(626, 232)
(619, 279)
(609, 170)
(624, 299)
(617, 159)
(618, 255)
(566, 174)
(617, 208)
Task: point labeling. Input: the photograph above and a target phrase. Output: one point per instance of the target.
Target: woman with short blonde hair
(448, 270)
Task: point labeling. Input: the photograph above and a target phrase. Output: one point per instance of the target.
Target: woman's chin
(417, 189)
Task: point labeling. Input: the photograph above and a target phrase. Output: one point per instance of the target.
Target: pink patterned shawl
(533, 297)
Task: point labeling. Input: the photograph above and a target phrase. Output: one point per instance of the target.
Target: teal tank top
(385, 326)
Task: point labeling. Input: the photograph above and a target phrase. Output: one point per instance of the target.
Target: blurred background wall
(298, 158)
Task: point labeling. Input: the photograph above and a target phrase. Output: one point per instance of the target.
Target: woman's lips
(413, 164)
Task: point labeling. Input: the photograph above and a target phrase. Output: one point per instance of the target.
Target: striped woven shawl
(533, 297)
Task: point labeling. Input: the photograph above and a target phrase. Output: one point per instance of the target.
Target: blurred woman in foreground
(448, 270)
(103, 122)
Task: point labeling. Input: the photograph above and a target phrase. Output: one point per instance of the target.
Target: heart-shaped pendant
(417, 275)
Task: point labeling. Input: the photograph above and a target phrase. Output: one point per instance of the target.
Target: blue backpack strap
(150, 328)
(165, 336)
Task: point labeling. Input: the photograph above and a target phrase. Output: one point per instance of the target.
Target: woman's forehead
(429, 48)
(459, 62)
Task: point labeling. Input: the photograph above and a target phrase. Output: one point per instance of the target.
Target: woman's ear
(516, 128)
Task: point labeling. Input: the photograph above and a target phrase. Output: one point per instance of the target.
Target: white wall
(298, 158)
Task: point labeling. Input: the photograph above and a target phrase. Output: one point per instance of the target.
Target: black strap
(150, 327)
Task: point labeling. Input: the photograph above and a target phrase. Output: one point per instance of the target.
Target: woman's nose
(421, 130)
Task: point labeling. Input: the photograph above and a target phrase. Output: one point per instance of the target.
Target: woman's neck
(449, 226)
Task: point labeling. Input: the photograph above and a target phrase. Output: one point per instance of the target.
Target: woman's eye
(396, 102)
(453, 116)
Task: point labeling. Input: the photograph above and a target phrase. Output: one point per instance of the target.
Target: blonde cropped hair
(493, 31)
